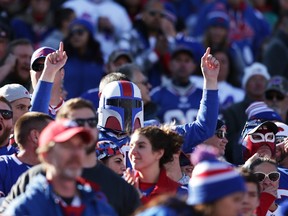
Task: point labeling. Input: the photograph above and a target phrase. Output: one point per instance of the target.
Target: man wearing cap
(116, 59)
(179, 100)
(61, 149)
(254, 83)
(19, 98)
(47, 76)
(276, 96)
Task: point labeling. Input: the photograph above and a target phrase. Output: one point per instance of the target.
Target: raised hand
(210, 67)
(56, 60)
(130, 177)
(53, 63)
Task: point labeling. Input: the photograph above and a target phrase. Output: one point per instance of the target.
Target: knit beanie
(85, 23)
(255, 69)
(260, 110)
(212, 179)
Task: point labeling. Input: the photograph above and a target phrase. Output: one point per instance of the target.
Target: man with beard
(61, 150)
(19, 72)
(6, 126)
(180, 99)
(121, 196)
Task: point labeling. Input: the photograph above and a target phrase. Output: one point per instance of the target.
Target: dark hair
(4, 100)
(18, 42)
(92, 50)
(250, 177)
(28, 122)
(234, 72)
(73, 104)
(60, 15)
(128, 70)
(162, 138)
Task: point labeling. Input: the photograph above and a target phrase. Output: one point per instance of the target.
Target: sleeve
(266, 200)
(41, 97)
(20, 186)
(205, 124)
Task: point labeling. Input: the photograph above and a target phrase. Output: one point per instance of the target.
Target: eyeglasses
(221, 134)
(154, 13)
(38, 67)
(92, 122)
(78, 32)
(272, 96)
(272, 176)
(6, 114)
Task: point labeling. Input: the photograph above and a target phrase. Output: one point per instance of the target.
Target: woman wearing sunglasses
(219, 140)
(268, 176)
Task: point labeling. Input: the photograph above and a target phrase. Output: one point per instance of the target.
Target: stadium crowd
(144, 107)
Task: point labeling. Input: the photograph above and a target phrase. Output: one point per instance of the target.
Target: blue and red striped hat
(212, 179)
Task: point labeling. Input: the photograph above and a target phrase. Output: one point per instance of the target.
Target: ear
(34, 136)
(159, 153)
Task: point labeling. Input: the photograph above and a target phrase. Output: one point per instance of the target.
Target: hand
(250, 160)
(168, 28)
(162, 45)
(11, 60)
(271, 189)
(283, 146)
(53, 63)
(210, 67)
(56, 60)
(130, 177)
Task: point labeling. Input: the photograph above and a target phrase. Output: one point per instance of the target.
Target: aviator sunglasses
(272, 176)
(6, 114)
(92, 122)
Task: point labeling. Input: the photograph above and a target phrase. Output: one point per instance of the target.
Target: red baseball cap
(61, 131)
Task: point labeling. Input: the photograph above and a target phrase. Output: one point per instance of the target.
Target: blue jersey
(282, 191)
(175, 105)
(11, 168)
(194, 132)
(8, 150)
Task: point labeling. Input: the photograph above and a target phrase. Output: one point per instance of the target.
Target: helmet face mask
(121, 107)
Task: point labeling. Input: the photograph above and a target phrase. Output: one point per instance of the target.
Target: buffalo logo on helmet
(121, 107)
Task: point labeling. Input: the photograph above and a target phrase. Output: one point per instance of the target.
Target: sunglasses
(221, 134)
(38, 67)
(154, 13)
(6, 114)
(92, 122)
(272, 96)
(78, 32)
(272, 176)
